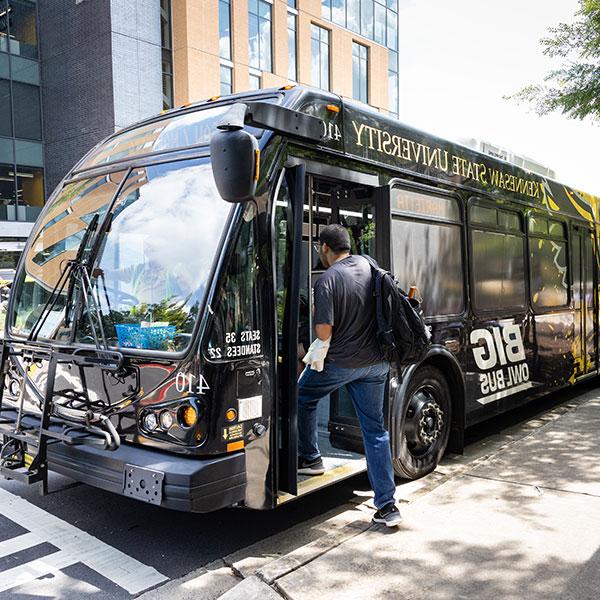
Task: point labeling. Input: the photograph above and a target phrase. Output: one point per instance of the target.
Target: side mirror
(234, 157)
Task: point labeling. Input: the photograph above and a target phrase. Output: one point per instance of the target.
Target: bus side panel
(500, 365)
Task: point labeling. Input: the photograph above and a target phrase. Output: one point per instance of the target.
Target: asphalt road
(169, 543)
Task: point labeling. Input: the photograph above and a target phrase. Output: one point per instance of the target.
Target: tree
(574, 88)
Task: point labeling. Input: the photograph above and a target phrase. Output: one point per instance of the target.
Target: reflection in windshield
(56, 241)
(152, 267)
(156, 259)
(191, 129)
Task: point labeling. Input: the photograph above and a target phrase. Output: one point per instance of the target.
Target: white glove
(317, 351)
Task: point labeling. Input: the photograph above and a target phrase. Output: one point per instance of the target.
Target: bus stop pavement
(520, 521)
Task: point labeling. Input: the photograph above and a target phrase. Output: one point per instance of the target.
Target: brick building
(74, 71)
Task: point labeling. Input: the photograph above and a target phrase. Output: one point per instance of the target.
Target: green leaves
(574, 87)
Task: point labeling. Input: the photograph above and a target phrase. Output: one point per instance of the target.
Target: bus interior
(352, 205)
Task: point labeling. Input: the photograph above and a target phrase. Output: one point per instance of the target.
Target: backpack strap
(384, 325)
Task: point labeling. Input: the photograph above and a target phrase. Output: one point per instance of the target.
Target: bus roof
(360, 132)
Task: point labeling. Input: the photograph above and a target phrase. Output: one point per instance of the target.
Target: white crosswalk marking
(75, 546)
(34, 569)
(21, 542)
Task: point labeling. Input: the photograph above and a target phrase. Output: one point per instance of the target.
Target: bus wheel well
(454, 378)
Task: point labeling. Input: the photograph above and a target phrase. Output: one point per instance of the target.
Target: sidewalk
(521, 523)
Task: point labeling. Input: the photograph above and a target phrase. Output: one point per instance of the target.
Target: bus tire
(423, 429)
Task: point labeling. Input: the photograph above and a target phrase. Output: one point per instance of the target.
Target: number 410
(185, 382)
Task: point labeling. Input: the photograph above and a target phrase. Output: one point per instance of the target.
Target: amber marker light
(188, 416)
(213, 98)
(231, 414)
(256, 164)
(333, 108)
(233, 446)
(289, 86)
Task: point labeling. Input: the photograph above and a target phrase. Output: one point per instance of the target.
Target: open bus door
(289, 205)
(364, 210)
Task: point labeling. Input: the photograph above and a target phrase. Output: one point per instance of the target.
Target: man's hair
(336, 237)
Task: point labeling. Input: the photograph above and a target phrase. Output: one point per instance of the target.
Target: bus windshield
(151, 268)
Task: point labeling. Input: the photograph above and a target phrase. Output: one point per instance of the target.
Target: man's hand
(323, 331)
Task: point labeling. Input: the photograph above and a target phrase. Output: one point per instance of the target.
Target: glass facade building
(376, 20)
(166, 42)
(21, 152)
(319, 44)
(360, 72)
(259, 34)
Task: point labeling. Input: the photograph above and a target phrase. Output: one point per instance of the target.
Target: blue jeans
(366, 386)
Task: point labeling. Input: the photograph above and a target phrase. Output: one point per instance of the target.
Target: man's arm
(323, 331)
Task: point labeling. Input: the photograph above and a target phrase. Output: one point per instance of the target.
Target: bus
(163, 300)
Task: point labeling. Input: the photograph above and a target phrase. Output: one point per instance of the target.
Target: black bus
(160, 307)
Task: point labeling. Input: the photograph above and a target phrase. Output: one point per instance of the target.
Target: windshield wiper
(65, 277)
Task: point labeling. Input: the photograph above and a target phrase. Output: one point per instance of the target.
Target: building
(74, 71)
(22, 191)
(346, 46)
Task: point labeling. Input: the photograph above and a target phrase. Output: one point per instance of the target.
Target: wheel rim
(424, 421)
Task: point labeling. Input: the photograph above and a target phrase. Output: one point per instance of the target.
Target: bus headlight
(166, 419)
(149, 421)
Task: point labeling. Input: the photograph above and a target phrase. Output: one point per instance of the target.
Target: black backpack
(402, 333)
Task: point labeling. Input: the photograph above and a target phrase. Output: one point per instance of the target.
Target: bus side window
(236, 332)
(497, 259)
(548, 263)
(427, 249)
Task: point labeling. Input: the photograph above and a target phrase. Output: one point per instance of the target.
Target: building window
(255, 81)
(353, 15)
(30, 191)
(5, 112)
(21, 192)
(393, 83)
(376, 20)
(8, 188)
(225, 29)
(18, 28)
(379, 22)
(292, 47)
(338, 12)
(366, 19)
(226, 80)
(319, 44)
(167, 53)
(26, 108)
(360, 69)
(259, 34)
(392, 30)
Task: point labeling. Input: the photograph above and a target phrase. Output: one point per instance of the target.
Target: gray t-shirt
(344, 299)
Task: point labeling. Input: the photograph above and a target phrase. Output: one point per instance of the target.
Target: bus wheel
(424, 426)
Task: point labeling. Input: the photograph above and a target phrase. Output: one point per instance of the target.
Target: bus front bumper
(186, 484)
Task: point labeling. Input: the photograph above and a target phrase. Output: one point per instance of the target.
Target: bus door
(584, 300)
(297, 228)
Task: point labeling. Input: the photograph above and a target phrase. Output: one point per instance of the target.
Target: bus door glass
(360, 210)
(584, 342)
(289, 202)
